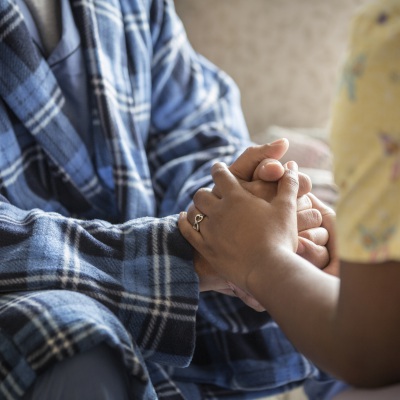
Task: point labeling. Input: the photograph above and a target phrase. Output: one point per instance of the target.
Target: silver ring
(197, 219)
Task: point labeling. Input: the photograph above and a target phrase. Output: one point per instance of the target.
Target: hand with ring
(253, 172)
(258, 165)
(255, 166)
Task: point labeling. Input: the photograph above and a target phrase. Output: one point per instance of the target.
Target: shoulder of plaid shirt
(89, 245)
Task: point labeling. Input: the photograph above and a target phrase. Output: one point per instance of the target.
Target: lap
(97, 374)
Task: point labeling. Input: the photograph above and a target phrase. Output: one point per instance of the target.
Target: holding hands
(256, 207)
(241, 231)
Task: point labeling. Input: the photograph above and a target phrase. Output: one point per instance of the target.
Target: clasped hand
(258, 172)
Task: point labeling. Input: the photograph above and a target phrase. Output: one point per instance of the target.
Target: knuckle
(201, 192)
(199, 195)
(217, 167)
(250, 150)
(218, 170)
(319, 236)
(316, 216)
(310, 218)
(323, 258)
(305, 183)
(317, 255)
(289, 205)
(308, 234)
(304, 203)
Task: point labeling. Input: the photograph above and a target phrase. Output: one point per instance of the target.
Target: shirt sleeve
(130, 268)
(196, 120)
(365, 136)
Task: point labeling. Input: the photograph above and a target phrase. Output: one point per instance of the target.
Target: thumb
(246, 164)
(269, 170)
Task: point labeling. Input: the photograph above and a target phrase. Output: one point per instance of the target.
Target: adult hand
(328, 223)
(255, 166)
(233, 236)
(315, 220)
(255, 163)
(258, 165)
(256, 158)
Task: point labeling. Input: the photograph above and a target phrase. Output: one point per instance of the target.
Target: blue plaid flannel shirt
(89, 247)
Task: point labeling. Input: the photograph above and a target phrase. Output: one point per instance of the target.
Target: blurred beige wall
(283, 54)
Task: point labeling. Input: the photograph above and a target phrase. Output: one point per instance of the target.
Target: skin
(349, 328)
(258, 171)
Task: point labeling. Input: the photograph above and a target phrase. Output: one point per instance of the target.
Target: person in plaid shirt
(109, 123)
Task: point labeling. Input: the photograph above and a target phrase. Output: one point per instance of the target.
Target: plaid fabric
(89, 247)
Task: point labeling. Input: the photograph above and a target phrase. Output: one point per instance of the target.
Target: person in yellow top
(365, 138)
(348, 326)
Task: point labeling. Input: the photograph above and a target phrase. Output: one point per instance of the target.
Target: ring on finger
(197, 219)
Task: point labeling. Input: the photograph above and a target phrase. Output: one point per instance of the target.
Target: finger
(333, 268)
(317, 255)
(216, 191)
(303, 203)
(308, 219)
(319, 205)
(197, 220)
(261, 189)
(288, 186)
(328, 222)
(187, 231)
(267, 191)
(203, 199)
(247, 162)
(269, 170)
(305, 184)
(224, 180)
(319, 236)
(192, 212)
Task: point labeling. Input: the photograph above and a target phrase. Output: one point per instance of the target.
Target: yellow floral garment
(365, 138)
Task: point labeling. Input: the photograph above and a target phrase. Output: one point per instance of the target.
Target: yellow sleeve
(365, 138)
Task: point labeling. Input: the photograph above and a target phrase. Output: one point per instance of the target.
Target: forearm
(306, 316)
(351, 337)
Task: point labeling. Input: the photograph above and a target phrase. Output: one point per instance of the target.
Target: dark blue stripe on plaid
(14, 43)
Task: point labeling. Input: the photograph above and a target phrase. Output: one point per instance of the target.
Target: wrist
(265, 277)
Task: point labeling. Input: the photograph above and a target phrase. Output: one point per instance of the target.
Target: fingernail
(278, 142)
(270, 161)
